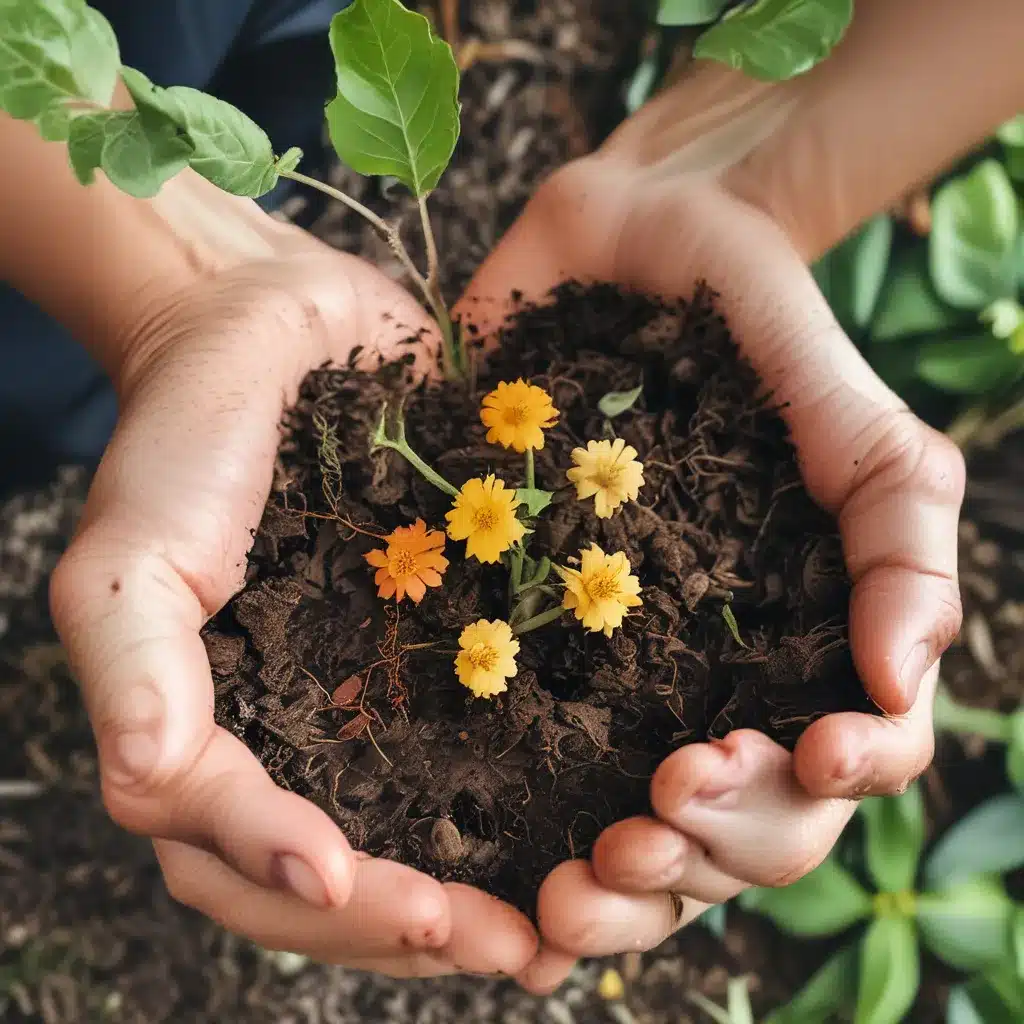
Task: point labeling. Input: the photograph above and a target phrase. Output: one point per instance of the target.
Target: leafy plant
(939, 314)
(994, 726)
(396, 113)
(953, 904)
(768, 39)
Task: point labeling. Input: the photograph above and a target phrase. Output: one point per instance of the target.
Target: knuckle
(908, 454)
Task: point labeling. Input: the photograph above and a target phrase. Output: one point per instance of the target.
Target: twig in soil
(20, 789)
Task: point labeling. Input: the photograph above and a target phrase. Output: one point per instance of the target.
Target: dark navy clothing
(271, 59)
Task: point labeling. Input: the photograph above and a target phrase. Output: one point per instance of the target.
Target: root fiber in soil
(353, 702)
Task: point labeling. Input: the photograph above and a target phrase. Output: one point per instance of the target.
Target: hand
(203, 375)
(744, 811)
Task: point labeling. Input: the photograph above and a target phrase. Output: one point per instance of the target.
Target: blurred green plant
(994, 726)
(940, 317)
(953, 903)
(769, 39)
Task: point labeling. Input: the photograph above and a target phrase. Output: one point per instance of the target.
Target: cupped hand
(204, 376)
(645, 213)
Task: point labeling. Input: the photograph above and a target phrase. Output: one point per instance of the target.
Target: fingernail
(716, 790)
(295, 874)
(916, 663)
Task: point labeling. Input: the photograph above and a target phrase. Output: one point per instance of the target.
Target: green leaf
(615, 403)
(1004, 316)
(689, 12)
(830, 990)
(986, 840)
(137, 156)
(53, 51)
(1015, 752)
(397, 108)
(960, 1009)
(968, 366)
(1017, 940)
(288, 160)
(908, 304)
(776, 39)
(890, 971)
(228, 148)
(734, 627)
(85, 146)
(851, 275)
(534, 499)
(825, 901)
(967, 924)
(894, 827)
(975, 221)
(1011, 133)
(998, 995)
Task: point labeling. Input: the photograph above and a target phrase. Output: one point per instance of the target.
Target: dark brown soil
(531, 778)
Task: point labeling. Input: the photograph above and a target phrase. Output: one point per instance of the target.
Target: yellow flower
(485, 517)
(487, 658)
(601, 591)
(411, 562)
(516, 415)
(608, 471)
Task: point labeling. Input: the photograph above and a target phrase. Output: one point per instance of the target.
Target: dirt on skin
(497, 792)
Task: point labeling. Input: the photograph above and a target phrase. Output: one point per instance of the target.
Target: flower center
(603, 585)
(403, 564)
(485, 518)
(607, 476)
(515, 415)
(483, 656)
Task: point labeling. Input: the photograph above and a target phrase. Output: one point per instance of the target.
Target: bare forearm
(97, 259)
(915, 85)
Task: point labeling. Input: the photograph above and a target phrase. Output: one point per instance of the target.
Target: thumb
(162, 546)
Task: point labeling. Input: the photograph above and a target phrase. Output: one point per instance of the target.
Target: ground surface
(87, 932)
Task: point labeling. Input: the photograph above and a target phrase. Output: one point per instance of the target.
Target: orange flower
(411, 562)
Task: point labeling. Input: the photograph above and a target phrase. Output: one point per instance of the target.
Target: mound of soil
(353, 702)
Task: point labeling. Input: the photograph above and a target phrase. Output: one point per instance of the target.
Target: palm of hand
(744, 811)
(162, 546)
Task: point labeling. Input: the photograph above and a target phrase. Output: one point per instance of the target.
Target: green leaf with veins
(534, 499)
(776, 39)
(397, 108)
(890, 971)
(228, 148)
(136, 154)
(689, 12)
(288, 160)
(85, 146)
(53, 52)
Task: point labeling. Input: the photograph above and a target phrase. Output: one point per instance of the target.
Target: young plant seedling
(396, 113)
(953, 902)
(496, 521)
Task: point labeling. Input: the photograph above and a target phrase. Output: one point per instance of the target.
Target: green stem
(428, 286)
(531, 472)
(551, 615)
(428, 474)
(949, 716)
(451, 353)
